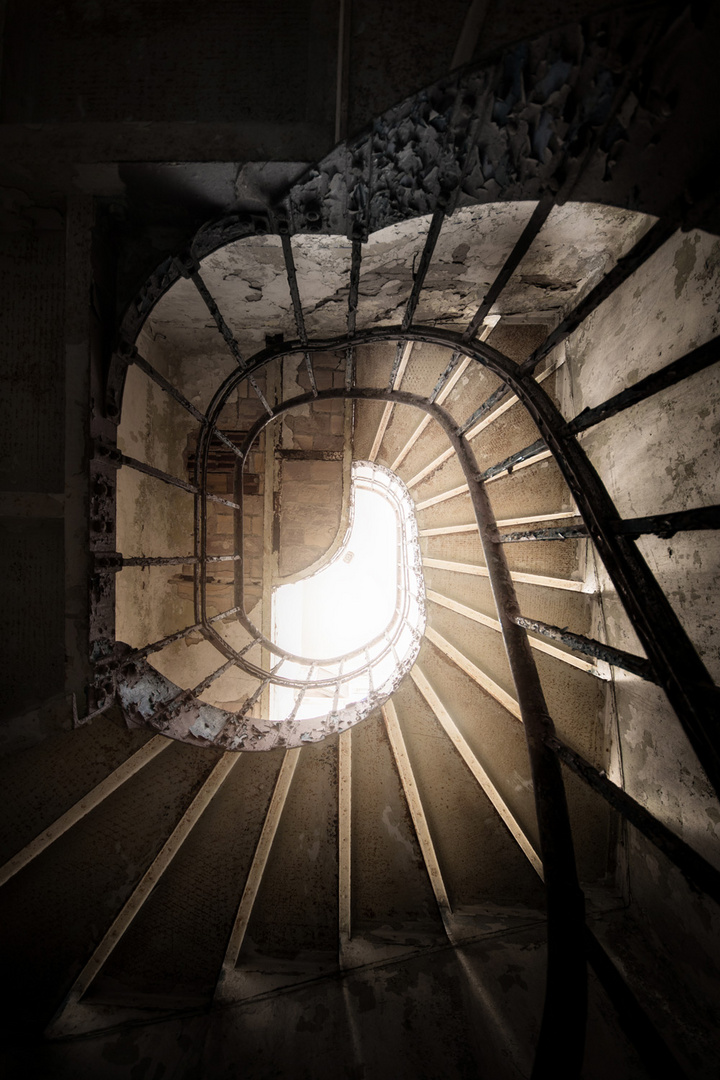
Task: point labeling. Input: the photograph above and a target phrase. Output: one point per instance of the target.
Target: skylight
(362, 616)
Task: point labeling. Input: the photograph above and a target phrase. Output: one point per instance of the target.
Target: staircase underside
(459, 310)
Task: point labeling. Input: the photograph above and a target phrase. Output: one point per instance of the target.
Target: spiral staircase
(216, 890)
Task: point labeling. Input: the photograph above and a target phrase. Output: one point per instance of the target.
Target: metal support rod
(194, 274)
(222, 437)
(419, 276)
(638, 665)
(396, 364)
(624, 268)
(487, 406)
(670, 375)
(214, 310)
(157, 560)
(156, 646)
(452, 364)
(259, 394)
(562, 1035)
(297, 305)
(311, 373)
(698, 871)
(353, 295)
(535, 223)
(224, 502)
(509, 463)
(504, 523)
(494, 624)
(175, 560)
(666, 525)
(165, 385)
(158, 474)
(569, 532)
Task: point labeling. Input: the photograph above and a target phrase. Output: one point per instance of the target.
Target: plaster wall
(661, 455)
(152, 518)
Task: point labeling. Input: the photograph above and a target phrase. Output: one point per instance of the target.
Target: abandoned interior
(359, 492)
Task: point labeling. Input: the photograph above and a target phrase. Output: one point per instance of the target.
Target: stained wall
(660, 456)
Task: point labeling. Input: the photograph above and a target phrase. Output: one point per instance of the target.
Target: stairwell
(370, 903)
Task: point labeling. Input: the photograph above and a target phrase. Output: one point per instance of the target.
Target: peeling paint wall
(660, 456)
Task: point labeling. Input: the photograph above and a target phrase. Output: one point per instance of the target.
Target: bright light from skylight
(370, 590)
(351, 601)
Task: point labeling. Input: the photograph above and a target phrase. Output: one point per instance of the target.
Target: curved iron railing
(673, 662)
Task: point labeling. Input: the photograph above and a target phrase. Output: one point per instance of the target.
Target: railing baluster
(562, 1034)
(666, 525)
(536, 451)
(535, 223)
(569, 532)
(624, 268)
(297, 306)
(419, 276)
(494, 624)
(670, 375)
(353, 296)
(214, 310)
(638, 665)
(140, 362)
(696, 869)
(158, 474)
(190, 269)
